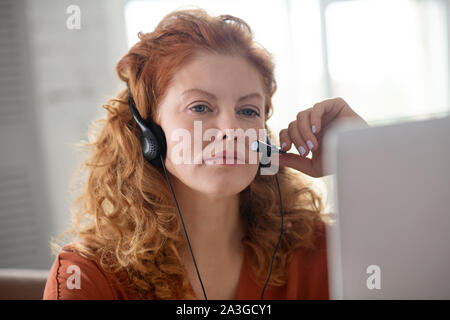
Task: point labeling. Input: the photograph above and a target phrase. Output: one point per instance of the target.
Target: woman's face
(216, 118)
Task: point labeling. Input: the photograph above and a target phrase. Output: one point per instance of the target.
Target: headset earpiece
(153, 139)
(153, 143)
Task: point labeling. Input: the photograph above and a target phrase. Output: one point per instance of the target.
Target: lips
(228, 157)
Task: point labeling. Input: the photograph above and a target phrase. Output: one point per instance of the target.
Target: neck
(213, 223)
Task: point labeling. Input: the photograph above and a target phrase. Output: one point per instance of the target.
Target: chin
(230, 180)
(216, 179)
(220, 190)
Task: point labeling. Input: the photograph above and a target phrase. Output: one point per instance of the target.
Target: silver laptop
(391, 191)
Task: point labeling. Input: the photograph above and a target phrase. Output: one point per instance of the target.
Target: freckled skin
(228, 78)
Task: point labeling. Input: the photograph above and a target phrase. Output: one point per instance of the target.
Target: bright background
(387, 58)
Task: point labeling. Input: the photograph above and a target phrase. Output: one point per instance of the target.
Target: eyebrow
(210, 95)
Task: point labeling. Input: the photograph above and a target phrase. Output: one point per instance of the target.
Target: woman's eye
(250, 112)
(201, 108)
(198, 109)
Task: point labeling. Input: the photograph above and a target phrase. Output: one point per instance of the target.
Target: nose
(228, 122)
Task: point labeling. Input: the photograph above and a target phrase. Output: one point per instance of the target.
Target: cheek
(180, 145)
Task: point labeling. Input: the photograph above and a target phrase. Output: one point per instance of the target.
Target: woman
(129, 242)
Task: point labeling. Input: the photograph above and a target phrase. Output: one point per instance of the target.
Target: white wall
(74, 74)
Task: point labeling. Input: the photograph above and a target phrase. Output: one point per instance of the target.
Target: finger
(304, 126)
(330, 107)
(299, 143)
(297, 162)
(285, 141)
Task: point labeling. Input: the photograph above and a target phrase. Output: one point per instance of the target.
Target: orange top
(307, 278)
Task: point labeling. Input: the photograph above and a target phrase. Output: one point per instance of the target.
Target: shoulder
(308, 269)
(316, 254)
(74, 277)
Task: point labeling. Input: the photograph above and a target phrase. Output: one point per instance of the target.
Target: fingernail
(283, 145)
(302, 151)
(314, 129)
(310, 144)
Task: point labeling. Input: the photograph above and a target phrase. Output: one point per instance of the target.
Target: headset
(154, 150)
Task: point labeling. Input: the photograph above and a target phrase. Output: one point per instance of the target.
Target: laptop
(390, 237)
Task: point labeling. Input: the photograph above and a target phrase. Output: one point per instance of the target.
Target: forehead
(220, 74)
